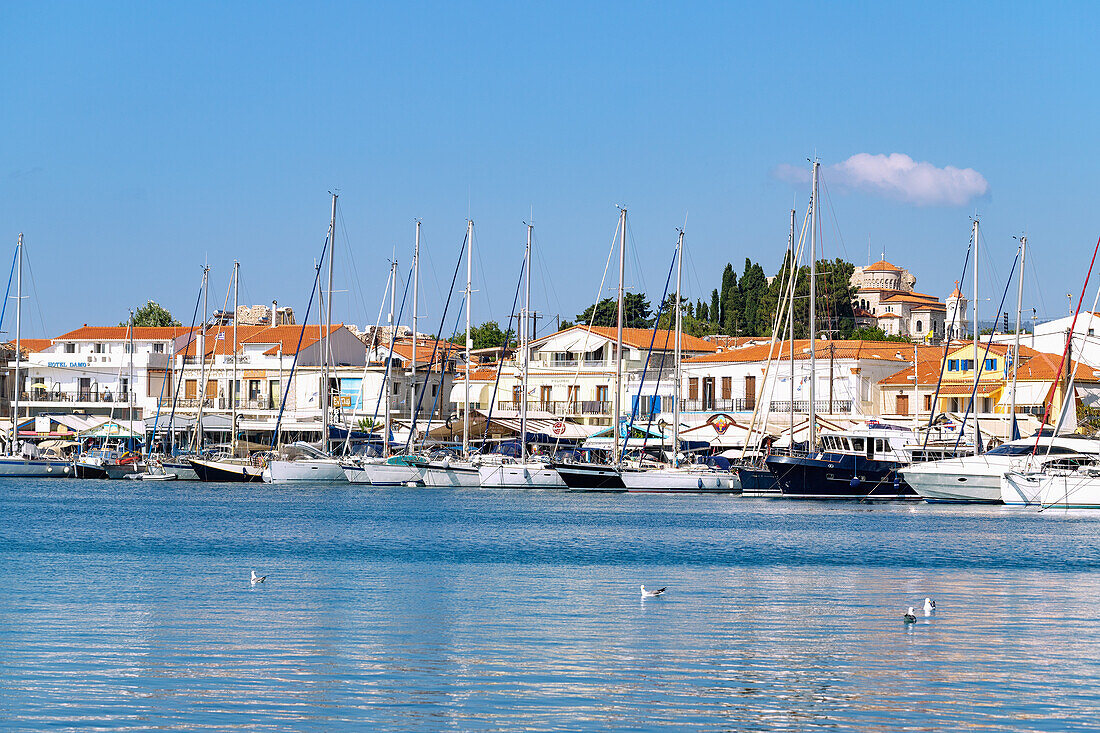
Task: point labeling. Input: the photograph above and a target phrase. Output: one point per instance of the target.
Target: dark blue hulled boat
(848, 465)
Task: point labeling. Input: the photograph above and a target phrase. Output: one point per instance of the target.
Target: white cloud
(897, 176)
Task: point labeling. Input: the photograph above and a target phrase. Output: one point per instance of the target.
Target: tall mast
(18, 349)
(619, 340)
(388, 376)
(525, 325)
(790, 315)
(813, 310)
(1019, 314)
(469, 334)
(974, 406)
(325, 354)
(233, 385)
(416, 289)
(677, 356)
(130, 380)
(202, 357)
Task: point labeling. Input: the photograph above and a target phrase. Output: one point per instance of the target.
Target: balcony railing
(576, 362)
(822, 406)
(220, 403)
(38, 395)
(738, 404)
(560, 407)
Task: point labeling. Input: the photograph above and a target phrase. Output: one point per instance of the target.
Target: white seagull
(652, 593)
(257, 578)
(929, 606)
(909, 616)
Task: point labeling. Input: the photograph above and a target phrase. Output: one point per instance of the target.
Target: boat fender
(897, 482)
(854, 483)
(700, 483)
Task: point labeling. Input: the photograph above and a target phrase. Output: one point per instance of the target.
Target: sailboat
(460, 472)
(600, 476)
(691, 478)
(230, 467)
(525, 473)
(302, 462)
(388, 470)
(27, 463)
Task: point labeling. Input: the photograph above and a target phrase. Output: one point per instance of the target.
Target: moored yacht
(301, 461)
(1060, 488)
(978, 478)
(392, 471)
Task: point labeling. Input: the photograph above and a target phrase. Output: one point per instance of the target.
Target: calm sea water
(126, 606)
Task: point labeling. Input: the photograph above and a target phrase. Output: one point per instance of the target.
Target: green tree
(636, 312)
(701, 311)
(486, 336)
(152, 314)
(876, 334)
(752, 292)
(715, 307)
(729, 284)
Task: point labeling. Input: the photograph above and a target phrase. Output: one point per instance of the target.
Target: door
(191, 389)
(85, 388)
(750, 393)
(902, 404)
(544, 397)
(708, 393)
(517, 397)
(727, 388)
(572, 396)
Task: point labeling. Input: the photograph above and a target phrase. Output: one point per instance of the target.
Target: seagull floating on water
(929, 605)
(652, 593)
(909, 616)
(257, 578)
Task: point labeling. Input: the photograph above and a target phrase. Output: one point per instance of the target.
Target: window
(952, 365)
(601, 393)
(881, 446)
(693, 388)
(544, 396)
(191, 389)
(991, 365)
(70, 348)
(253, 389)
(125, 388)
(750, 393)
(928, 402)
(727, 387)
(919, 327)
(517, 395)
(98, 348)
(158, 348)
(573, 393)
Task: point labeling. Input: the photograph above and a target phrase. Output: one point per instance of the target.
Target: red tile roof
(882, 266)
(841, 349)
(640, 338)
(122, 333)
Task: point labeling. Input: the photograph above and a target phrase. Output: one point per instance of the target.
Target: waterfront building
(572, 372)
(886, 297)
(912, 392)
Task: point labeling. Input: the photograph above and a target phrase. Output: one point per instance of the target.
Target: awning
(959, 390)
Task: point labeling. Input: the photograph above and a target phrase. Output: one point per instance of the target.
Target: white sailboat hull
(326, 470)
(520, 476)
(678, 479)
(382, 474)
(455, 475)
(1071, 491)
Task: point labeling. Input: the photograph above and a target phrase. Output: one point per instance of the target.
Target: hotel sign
(66, 363)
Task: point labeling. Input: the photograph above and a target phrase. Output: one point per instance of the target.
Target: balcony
(560, 407)
(219, 403)
(78, 396)
(824, 407)
(710, 404)
(561, 363)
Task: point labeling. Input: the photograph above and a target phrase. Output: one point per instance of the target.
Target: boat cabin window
(881, 446)
(857, 445)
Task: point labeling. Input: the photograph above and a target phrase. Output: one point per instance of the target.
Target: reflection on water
(128, 607)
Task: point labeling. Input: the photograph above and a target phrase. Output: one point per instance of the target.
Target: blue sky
(139, 139)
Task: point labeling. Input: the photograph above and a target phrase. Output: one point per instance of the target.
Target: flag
(220, 336)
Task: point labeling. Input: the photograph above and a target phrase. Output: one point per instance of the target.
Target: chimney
(274, 308)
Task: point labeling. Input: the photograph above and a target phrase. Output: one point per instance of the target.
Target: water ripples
(129, 608)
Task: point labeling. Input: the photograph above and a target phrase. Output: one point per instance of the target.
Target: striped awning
(958, 390)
